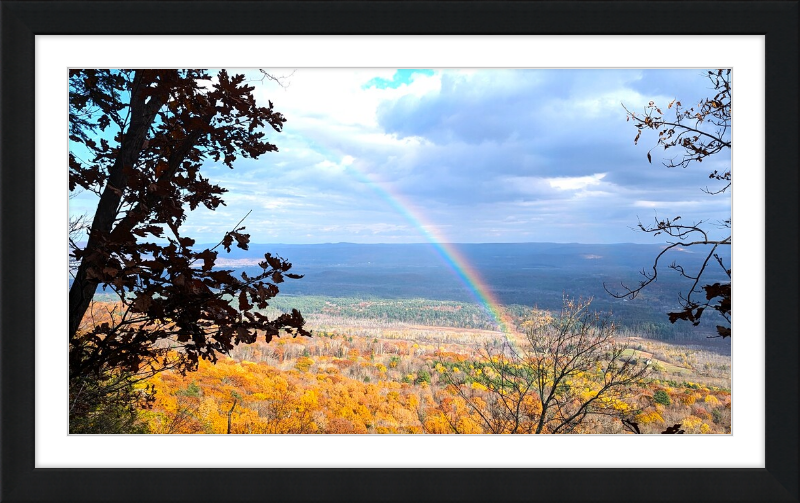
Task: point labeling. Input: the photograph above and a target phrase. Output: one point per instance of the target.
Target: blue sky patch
(399, 78)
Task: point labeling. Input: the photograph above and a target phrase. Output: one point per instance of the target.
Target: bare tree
(567, 370)
(697, 133)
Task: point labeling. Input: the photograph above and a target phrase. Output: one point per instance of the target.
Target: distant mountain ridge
(530, 274)
(515, 273)
(521, 253)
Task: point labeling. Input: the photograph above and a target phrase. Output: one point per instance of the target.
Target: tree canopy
(139, 140)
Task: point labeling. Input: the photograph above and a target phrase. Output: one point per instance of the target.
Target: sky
(459, 156)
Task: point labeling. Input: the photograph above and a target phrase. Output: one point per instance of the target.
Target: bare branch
(281, 80)
(539, 388)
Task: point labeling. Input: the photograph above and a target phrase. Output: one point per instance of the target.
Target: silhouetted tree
(696, 133)
(139, 140)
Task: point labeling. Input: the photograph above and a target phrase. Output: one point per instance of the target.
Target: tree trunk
(229, 416)
(143, 112)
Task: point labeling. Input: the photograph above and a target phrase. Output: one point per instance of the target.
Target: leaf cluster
(139, 140)
(700, 132)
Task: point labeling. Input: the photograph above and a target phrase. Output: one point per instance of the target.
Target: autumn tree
(696, 133)
(139, 140)
(566, 371)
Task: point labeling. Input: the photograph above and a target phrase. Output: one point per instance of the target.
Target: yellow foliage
(327, 397)
(650, 417)
(304, 363)
(437, 424)
(468, 426)
(691, 423)
(616, 404)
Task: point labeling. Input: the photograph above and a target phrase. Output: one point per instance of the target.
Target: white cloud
(325, 164)
(503, 155)
(669, 204)
(337, 95)
(575, 182)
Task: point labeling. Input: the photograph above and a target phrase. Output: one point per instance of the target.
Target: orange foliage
(276, 390)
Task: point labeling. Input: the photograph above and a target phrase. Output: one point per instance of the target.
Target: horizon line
(450, 243)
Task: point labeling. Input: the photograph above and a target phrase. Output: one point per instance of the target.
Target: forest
(383, 374)
(178, 325)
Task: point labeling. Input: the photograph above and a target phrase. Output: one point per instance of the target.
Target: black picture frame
(20, 21)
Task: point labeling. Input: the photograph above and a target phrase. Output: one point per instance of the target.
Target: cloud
(481, 155)
(669, 204)
(575, 182)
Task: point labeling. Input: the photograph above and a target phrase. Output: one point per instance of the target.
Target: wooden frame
(21, 21)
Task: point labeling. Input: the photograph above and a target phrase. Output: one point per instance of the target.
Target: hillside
(375, 376)
(526, 274)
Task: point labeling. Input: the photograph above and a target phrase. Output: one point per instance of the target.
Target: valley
(362, 373)
(402, 344)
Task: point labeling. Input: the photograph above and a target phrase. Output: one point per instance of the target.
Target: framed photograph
(486, 47)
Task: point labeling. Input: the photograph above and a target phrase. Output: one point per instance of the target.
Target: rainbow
(449, 254)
